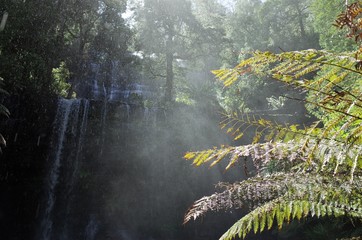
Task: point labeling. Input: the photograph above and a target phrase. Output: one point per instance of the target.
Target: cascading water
(91, 228)
(114, 88)
(103, 117)
(69, 137)
(110, 155)
(69, 127)
(75, 162)
(61, 123)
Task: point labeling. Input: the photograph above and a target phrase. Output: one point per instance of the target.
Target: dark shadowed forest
(180, 119)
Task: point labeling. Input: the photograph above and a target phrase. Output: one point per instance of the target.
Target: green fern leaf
(263, 222)
(288, 211)
(279, 212)
(256, 224)
(306, 208)
(270, 218)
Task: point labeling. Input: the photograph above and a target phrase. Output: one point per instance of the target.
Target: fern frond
(4, 111)
(261, 154)
(316, 155)
(246, 194)
(283, 212)
(280, 198)
(290, 67)
(321, 167)
(265, 129)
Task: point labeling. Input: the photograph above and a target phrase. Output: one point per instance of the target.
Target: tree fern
(317, 168)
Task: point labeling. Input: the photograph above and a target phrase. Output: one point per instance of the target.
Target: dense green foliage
(179, 42)
(324, 14)
(274, 25)
(47, 47)
(298, 172)
(66, 33)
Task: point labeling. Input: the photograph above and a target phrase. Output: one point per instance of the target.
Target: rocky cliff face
(22, 164)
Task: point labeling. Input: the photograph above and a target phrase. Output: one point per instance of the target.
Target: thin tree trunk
(169, 69)
(300, 21)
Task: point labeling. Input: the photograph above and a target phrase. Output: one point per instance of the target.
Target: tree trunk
(169, 69)
(300, 21)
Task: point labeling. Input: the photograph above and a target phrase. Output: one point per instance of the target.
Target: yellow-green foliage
(61, 76)
(321, 163)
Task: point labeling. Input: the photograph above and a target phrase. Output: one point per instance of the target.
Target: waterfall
(74, 164)
(85, 132)
(60, 126)
(103, 119)
(128, 109)
(114, 89)
(69, 127)
(103, 126)
(146, 114)
(91, 228)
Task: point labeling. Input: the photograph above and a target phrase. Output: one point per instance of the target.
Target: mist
(106, 97)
